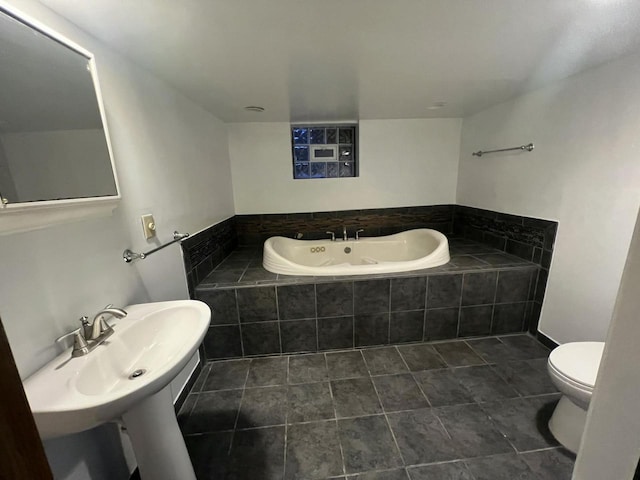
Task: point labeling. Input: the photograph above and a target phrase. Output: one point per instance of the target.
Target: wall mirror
(53, 139)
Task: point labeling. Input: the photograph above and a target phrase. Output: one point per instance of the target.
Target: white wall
(402, 163)
(70, 164)
(172, 160)
(584, 172)
(610, 442)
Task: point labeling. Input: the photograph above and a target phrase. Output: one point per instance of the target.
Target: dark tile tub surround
(442, 410)
(529, 238)
(203, 251)
(255, 229)
(255, 312)
(213, 260)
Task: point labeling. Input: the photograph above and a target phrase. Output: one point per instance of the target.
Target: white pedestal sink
(127, 378)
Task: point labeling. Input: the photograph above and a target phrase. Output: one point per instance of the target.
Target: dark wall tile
(371, 329)
(494, 241)
(444, 291)
(222, 303)
(550, 236)
(296, 302)
(298, 336)
(256, 228)
(521, 250)
(537, 255)
(408, 293)
(479, 288)
(532, 324)
(406, 326)
(191, 283)
(204, 268)
(261, 338)
(541, 285)
(335, 333)
(441, 324)
(371, 296)
(475, 321)
(508, 318)
(334, 299)
(513, 286)
(223, 342)
(257, 304)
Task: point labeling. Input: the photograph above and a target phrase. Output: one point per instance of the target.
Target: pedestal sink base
(156, 439)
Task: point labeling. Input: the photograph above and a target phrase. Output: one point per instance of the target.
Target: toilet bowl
(573, 368)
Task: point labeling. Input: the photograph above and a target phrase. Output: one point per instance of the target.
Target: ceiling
(306, 60)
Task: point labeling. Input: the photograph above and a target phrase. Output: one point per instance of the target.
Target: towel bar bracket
(129, 256)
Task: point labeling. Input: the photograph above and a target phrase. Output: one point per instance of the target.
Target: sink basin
(69, 395)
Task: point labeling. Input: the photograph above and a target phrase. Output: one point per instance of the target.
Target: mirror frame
(26, 216)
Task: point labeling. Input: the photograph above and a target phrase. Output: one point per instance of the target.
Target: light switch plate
(148, 226)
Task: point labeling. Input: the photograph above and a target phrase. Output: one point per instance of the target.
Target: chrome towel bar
(527, 147)
(128, 256)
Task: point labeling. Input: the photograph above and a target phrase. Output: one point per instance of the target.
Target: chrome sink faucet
(100, 325)
(344, 233)
(90, 335)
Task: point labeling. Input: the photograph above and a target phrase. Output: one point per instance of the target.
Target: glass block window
(324, 151)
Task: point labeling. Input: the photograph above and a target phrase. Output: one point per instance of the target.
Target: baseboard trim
(546, 341)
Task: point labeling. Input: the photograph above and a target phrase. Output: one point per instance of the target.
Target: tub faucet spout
(344, 233)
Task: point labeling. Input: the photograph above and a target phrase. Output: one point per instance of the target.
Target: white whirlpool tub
(402, 252)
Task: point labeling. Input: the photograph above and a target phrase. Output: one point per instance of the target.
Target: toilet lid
(578, 361)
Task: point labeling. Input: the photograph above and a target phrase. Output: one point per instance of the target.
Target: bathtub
(402, 252)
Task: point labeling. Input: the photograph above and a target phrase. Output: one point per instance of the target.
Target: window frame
(311, 147)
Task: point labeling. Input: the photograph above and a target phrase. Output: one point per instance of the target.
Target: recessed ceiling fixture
(436, 105)
(254, 108)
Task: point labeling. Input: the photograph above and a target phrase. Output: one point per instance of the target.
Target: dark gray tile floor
(456, 410)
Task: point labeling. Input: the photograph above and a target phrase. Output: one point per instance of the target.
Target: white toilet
(573, 368)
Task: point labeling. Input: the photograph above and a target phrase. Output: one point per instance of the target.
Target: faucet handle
(358, 233)
(333, 236)
(102, 327)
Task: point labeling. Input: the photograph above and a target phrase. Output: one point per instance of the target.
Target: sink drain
(137, 373)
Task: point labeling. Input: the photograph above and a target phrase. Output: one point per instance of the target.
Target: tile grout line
(460, 305)
(353, 314)
(335, 414)
(426, 303)
(286, 422)
(493, 306)
(425, 395)
(235, 294)
(476, 352)
(315, 309)
(275, 290)
(389, 313)
(384, 412)
(235, 423)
